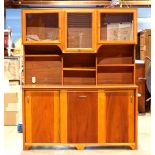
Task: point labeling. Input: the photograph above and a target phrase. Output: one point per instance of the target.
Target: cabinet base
(81, 146)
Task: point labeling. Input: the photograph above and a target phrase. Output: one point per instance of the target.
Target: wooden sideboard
(79, 77)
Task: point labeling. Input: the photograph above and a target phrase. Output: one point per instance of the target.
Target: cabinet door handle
(131, 99)
(28, 99)
(82, 96)
(141, 78)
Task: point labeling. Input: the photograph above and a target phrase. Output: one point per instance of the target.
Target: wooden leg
(80, 147)
(133, 147)
(26, 147)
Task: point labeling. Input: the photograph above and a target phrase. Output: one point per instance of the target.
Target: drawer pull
(82, 96)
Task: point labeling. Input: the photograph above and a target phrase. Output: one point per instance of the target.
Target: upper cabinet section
(80, 30)
(41, 26)
(117, 26)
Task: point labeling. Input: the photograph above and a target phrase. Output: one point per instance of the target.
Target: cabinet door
(120, 117)
(41, 116)
(80, 30)
(80, 117)
(117, 26)
(41, 26)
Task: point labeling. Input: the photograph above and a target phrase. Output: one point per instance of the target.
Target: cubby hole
(44, 63)
(79, 77)
(115, 75)
(84, 60)
(115, 54)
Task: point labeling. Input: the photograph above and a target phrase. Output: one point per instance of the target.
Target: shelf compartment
(79, 30)
(79, 77)
(115, 75)
(116, 54)
(47, 70)
(86, 60)
(116, 26)
(42, 50)
(42, 27)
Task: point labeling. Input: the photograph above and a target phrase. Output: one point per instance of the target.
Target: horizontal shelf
(43, 55)
(116, 65)
(80, 69)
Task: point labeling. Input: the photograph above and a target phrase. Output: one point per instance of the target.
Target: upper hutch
(79, 68)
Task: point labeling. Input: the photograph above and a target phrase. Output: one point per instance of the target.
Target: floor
(13, 143)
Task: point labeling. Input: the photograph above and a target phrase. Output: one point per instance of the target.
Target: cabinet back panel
(82, 126)
(78, 60)
(79, 78)
(116, 54)
(117, 117)
(115, 75)
(46, 70)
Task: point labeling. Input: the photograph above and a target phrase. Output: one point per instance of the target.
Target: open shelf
(82, 77)
(86, 60)
(115, 75)
(116, 54)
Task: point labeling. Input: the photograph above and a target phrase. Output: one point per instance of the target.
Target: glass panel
(41, 27)
(79, 32)
(116, 26)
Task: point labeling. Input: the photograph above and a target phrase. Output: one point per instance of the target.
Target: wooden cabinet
(41, 116)
(80, 116)
(72, 58)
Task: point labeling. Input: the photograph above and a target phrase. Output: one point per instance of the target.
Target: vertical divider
(63, 116)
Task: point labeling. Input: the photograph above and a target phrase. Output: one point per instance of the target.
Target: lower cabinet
(104, 117)
(120, 115)
(80, 116)
(41, 113)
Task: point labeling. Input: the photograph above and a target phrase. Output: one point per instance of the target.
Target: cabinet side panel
(82, 117)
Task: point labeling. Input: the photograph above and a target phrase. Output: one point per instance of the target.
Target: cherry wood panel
(116, 54)
(79, 77)
(82, 117)
(115, 75)
(39, 116)
(119, 122)
(47, 70)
